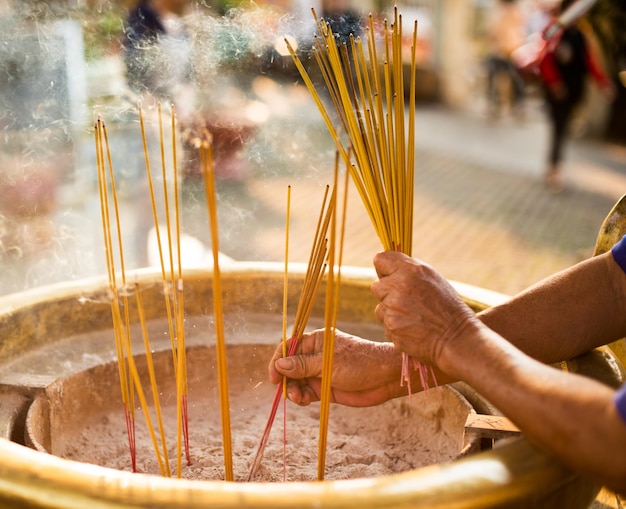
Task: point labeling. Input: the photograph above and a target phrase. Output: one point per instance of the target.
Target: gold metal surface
(507, 476)
(611, 231)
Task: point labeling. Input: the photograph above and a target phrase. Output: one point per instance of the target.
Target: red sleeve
(595, 69)
(549, 70)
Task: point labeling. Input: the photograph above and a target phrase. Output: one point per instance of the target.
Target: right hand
(365, 373)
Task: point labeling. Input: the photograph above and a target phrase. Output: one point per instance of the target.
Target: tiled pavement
(482, 214)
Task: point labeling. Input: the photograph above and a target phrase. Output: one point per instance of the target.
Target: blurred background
(483, 215)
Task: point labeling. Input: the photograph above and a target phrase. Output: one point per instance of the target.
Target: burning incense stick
(129, 376)
(100, 143)
(173, 298)
(284, 332)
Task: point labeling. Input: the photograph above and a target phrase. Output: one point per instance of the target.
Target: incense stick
(369, 99)
(330, 322)
(164, 463)
(113, 294)
(121, 326)
(208, 173)
(284, 331)
(180, 302)
(316, 269)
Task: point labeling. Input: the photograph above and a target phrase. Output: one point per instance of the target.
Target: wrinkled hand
(420, 310)
(365, 373)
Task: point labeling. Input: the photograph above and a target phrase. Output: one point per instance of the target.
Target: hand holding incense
(368, 95)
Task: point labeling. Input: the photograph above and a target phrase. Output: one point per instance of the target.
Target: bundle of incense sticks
(173, 291)
(321, 261)
(367, 92)
(130, 382)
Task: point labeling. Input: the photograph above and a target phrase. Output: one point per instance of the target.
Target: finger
(309, 395)
(294, 392)
(309, 343)
(302, 394)
(386, 262)
(274, 376)
(379, 311)
(300, 366)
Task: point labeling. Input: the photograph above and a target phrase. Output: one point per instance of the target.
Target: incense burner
(38, 323)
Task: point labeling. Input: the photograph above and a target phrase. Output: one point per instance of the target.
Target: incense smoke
(62, 67)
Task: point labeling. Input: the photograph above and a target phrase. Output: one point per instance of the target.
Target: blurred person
(505, 33)
(157, 52)
(343, 19)
(503, 353)
(564, 70)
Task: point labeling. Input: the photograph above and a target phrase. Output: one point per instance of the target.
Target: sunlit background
(62, 66)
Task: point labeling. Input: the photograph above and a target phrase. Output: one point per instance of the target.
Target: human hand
(420, 310)
(365, 373)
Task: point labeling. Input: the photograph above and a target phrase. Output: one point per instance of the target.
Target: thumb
(300, 366)
(386, 262)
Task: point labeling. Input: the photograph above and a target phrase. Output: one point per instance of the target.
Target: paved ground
(482, 214)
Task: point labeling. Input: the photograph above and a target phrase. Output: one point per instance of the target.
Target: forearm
(570, 416)
(567, 314)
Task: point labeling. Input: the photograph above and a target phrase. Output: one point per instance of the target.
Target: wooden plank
(491, 426)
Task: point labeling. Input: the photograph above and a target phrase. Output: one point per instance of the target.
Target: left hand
(365, 373)
(420, 310)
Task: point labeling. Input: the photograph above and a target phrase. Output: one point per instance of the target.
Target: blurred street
(482, 213)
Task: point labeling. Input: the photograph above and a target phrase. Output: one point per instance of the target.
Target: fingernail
(285, 364)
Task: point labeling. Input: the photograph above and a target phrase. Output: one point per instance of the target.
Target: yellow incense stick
(179, 303)
(330, 322)
(121, 333)
(122, 326)
(209, 181)
(166, 288)
(106, 230)
(285, 279)
(313, 277)
(369, 99)
(164, 463)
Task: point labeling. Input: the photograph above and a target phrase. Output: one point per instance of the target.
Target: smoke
(62, 67)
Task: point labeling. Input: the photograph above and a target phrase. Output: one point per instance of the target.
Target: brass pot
(513, 474)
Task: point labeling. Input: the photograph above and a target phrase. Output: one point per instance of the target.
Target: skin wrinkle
(501, 353)
(393, 309)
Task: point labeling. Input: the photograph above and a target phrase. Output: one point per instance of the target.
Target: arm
(566, 314)
(572, 417)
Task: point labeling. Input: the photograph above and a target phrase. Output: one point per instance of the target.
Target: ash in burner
(85, 425)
